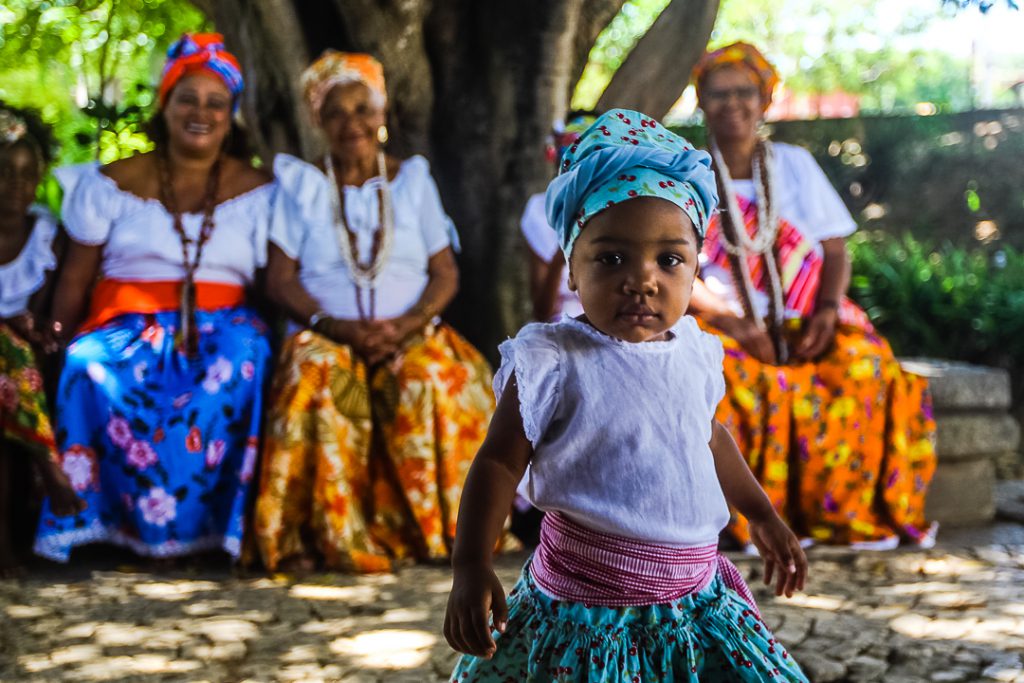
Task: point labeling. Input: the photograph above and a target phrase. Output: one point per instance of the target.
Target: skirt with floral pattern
(161, 446)
(712, 635)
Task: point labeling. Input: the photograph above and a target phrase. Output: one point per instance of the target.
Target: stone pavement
(955, 613)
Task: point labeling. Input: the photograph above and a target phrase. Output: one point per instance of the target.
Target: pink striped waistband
(578, 564)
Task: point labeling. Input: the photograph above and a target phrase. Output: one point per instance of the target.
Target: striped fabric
(800, 266)
(577, 564)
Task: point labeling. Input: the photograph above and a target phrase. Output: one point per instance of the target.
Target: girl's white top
(22, 277)
(620, 431)
(303, 227)
(805, 198)
(138, 237)
(543, 242)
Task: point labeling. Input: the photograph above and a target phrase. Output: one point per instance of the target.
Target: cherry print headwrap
(340, 68)
(738, 54)
(200, 52)
(624, 155)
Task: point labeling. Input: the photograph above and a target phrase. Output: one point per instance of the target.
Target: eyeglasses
(743, 93)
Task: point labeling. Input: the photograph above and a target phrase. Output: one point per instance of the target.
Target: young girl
(614, 412)
(27, 233)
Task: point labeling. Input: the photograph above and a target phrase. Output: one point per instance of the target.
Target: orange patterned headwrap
(339, 68)
(738, 54)
(200, 52)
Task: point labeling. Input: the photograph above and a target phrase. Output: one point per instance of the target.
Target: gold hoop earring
(382, 135)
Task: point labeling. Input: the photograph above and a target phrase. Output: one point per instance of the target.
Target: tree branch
(664, 57)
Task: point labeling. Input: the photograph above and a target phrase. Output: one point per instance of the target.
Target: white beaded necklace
(768, 225)
(364, 276)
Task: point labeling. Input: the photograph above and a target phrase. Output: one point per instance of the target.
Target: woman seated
(840, 437)
(28, 241)
(160, 400)
(549, 277)
(378, 408)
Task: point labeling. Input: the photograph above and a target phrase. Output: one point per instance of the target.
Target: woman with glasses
(840, 437)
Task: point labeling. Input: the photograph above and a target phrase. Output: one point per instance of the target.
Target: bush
(944, 302)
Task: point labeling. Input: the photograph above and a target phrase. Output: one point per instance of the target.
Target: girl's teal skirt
(712, 636)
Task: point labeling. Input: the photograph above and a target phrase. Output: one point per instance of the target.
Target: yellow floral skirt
(844, 446)
(362, 467)
(24, 417)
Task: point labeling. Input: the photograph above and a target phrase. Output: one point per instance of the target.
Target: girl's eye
(670, 260)
(610, 259)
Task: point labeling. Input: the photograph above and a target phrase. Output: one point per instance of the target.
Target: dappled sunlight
(173, 591)
(305, 591)
(388, 649)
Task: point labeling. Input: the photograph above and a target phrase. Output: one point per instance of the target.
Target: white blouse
(544, 243)
(806, 199)
(620, 430)
(138, 237)
(303, 227)
(22, 277)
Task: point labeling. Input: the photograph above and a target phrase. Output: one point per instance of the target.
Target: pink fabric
(578, 564)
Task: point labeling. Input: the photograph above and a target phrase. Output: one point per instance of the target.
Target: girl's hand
(784, 559)
(476, 592)
(63, 499)
(818, 335)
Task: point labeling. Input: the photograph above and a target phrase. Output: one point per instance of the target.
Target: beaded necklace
(364, 275)
(187, 338)
(739, 244)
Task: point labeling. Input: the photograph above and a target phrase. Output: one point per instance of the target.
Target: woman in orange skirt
(378, 408)
(838, 434)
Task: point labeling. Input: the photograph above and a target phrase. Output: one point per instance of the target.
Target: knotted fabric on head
(335, 68)
(200, 52)
(738, 54)
(624, 155)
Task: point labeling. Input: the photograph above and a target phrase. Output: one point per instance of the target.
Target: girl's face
(20, 174)
(732, 103)
(633, 267)
(198, 114)
(350, 117)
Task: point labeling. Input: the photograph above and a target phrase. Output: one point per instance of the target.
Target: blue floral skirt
(712, 635)
(162, 447)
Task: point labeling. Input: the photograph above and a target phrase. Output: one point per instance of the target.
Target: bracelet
(826, 304)
(317, 318)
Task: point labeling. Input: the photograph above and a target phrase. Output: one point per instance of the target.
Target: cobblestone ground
(955, 613)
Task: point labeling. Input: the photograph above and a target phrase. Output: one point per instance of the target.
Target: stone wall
(975, 432)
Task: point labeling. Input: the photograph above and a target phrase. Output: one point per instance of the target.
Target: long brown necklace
(187, 339)
(364, 273)
(731, 226)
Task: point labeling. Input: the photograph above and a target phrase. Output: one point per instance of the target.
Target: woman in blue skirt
(160, 399)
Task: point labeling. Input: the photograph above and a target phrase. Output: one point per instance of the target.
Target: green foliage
(945, 301)
(89, 66)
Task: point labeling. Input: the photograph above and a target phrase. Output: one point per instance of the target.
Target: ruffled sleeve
(438, 229)
(301, 198)
(91, 203)
(822, 214)
(22, 277)
(534, 357)
(538, 234)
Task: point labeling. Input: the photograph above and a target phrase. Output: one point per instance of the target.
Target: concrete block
(969, 435)
(962, 493)
(961, 386)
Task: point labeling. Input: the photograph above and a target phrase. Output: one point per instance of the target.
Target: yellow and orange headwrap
(339, 68)
(200, 52)
(738, 54)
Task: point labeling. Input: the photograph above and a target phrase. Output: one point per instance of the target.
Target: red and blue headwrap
(200, 52)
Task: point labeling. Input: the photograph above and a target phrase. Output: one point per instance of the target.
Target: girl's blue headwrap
(625, 155)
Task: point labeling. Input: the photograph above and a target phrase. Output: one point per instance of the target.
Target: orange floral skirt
(844, 446)
(362, 467)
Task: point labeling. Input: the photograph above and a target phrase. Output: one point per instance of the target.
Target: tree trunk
(473, 85)
(663, 58)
